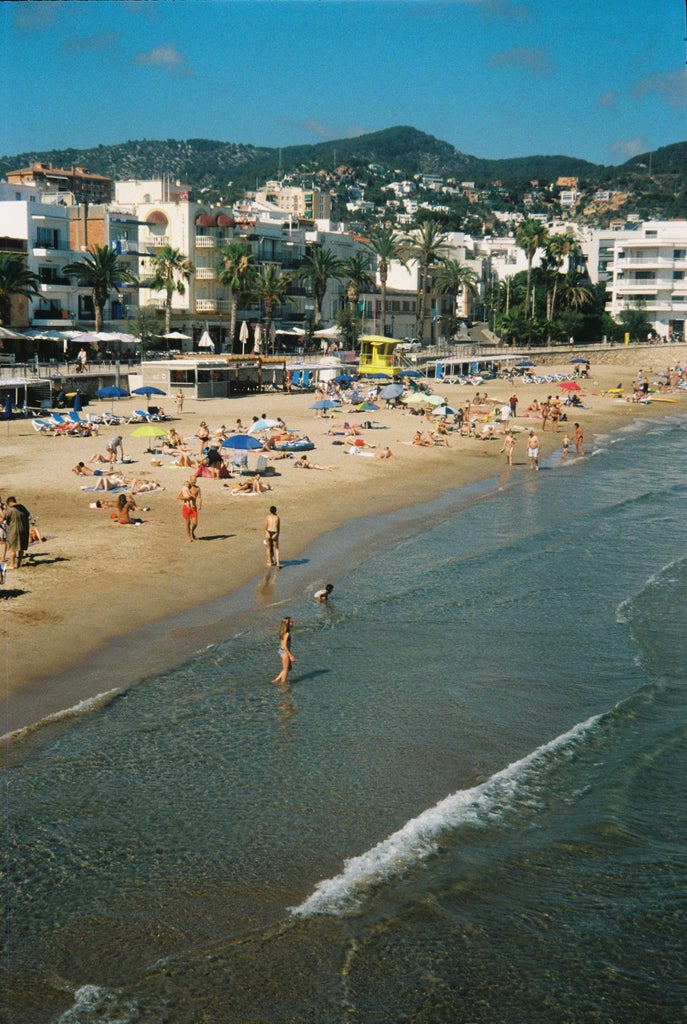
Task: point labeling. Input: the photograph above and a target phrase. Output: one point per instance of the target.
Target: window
(645, 275)
(678, 275)
(48, 238)
(679, 254)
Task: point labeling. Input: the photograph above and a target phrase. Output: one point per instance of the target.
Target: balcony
(158, 241)
(213, 306)
(205, 273)
(50, 287)
(54, 317)
(206, 242)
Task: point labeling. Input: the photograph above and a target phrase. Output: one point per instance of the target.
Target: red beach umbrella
(570, 385)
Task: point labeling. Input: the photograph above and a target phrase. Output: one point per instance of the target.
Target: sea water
(468, 807)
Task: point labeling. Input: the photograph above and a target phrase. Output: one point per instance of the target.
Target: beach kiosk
(377, 355)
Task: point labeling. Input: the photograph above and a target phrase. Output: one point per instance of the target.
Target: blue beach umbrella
(244, 442)
(262, 425)
(148, 390)
(112, 391)
(77, 402)
(324, 403)
(378, 376)
(391, 391)
(344, 378)
(525, 364)
(411, 373)
(8, 406)
(367, 407)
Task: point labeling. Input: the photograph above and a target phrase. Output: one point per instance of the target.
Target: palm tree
(319, 267)
(170, 269)
(557, 248)
(455, 278)
(235, 270)
(271, 286)
(574, 293)
(15, 279)
(427, 247)
(356, 271)
(530, 235)
(385, 246)
(102, 271)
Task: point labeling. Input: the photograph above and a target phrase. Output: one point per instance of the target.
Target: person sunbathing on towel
(82, 470)
(254, 486)
(304, 463)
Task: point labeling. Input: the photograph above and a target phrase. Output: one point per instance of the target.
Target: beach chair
(262, 465)
(239, 462)
(42, 426)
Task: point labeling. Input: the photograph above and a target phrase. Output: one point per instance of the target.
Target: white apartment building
(34, 226)
(644, 267)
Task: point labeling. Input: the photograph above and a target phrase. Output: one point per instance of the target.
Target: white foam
(419, 837)
(80, 708)
(95, 1005)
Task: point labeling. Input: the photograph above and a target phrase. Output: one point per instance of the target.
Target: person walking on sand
(272, 529)
(285, 654)
(533, 450)
(191, 499)
(179, 399)
(508, 446)
(579, 440)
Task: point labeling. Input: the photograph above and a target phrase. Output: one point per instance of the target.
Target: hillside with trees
(655, 184)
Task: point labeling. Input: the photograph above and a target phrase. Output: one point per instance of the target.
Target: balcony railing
(158, 241)
(213, 306)
(206, 242)
(206, 273)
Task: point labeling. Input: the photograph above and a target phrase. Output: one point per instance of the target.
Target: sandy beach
(92, 581)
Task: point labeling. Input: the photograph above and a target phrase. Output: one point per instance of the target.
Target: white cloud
(630, 147)
(607, 99)
(529, 58)
(672, 84)
(166, 57)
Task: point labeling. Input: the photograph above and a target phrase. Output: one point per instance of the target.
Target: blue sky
(495, 78)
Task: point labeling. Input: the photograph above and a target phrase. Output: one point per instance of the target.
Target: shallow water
(467, 807)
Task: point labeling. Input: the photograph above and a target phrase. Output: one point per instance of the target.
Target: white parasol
(243, 336)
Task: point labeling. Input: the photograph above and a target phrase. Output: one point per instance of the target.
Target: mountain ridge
(225, 169)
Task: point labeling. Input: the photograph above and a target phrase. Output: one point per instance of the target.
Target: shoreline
(145, 605)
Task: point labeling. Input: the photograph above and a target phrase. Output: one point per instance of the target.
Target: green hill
(222, 170)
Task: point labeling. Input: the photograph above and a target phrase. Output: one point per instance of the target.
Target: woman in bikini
(287, 658)
(272, 528)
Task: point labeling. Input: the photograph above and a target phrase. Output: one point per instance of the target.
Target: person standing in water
(287, 658)
(272, 528)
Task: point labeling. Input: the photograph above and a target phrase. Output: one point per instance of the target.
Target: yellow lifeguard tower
(377, 355)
